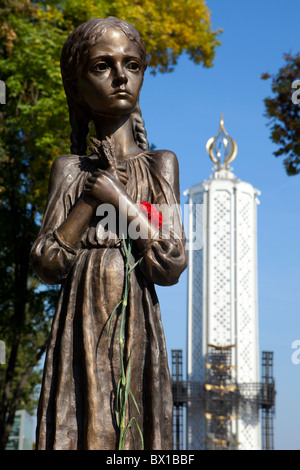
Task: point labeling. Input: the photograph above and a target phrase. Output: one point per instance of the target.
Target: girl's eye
(100, 67)
(133, 66)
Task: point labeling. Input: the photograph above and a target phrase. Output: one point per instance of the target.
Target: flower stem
(123, 389)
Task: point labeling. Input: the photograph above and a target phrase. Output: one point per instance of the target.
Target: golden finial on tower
(222, 149)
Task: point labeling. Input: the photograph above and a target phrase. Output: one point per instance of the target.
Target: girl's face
(112, 79)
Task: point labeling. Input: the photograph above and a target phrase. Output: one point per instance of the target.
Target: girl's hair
(74, 57)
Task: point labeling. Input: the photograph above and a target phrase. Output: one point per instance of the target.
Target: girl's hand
(104, 187)
(118, 171)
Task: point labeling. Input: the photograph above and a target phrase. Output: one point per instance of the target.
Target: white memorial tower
(222, 342)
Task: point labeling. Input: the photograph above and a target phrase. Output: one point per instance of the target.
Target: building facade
(22, 433)
(222, 343)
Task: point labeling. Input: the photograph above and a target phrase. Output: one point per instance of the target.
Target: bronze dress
(82, 369)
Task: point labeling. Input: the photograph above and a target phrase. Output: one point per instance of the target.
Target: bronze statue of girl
(103, 63)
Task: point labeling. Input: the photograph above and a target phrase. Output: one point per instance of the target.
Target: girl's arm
(103, 187)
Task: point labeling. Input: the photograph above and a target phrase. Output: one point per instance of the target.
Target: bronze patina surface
(103, 63)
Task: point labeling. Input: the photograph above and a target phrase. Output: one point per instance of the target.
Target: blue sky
(182, 111)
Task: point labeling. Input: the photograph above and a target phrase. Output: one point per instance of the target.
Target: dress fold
(82, 368)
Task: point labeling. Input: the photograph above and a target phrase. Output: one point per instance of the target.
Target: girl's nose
(120, 76)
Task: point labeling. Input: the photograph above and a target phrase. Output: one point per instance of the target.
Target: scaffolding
(221, 401)
(177, 376)
(268, 401)
(223, 398)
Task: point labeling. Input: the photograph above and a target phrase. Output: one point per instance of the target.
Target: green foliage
(34, 130)
(31, 38)
(170, 28)
(284, 115)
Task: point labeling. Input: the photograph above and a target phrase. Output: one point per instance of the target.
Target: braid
(138, 127)
(80, 129)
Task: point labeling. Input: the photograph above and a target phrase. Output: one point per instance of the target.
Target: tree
(34, 130)
(283, 112)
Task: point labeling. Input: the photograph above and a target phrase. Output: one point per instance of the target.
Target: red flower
(152, 213)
